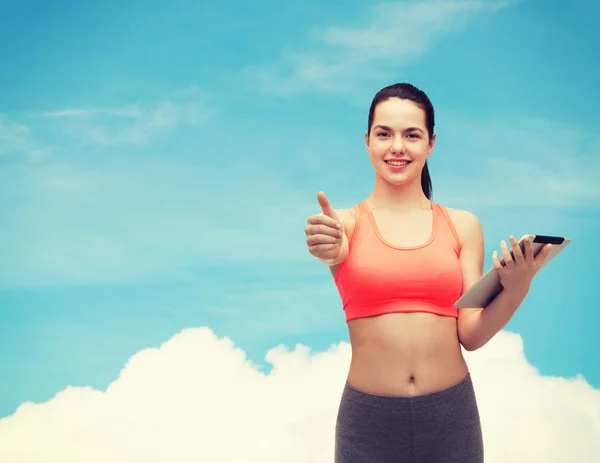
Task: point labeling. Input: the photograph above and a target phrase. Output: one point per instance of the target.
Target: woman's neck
(401, 198)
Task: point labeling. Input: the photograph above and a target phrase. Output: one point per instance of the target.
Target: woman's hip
(440, 426)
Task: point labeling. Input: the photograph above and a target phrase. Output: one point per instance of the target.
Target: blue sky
(158, 161)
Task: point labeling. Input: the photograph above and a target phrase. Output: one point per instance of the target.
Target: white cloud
(393, 34)
(135, 124)
(197, 398)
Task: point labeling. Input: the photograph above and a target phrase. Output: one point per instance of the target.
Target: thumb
(325, 206)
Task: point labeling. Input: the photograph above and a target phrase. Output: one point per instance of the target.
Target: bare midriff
(405, 354)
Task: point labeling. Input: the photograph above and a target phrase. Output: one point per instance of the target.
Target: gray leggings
(441, 427)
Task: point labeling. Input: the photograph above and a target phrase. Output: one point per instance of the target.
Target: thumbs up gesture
(325, 235)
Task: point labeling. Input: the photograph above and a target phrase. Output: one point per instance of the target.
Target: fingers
(510, 258)
(316, 234)
(518, 264)
(326, 224)
(516, 251)
(323, 238)
(497, 264)
(325, 206)
(541, 256)
(529, 258)
(528, 249)
(323, 233)
(506, 257)
(320, 249)
(320, 225)
(321, 219)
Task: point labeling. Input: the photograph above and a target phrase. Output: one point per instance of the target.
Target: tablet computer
(489, 285)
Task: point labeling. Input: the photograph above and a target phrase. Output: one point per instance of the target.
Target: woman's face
(398, 142)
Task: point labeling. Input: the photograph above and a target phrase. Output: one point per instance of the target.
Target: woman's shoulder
(462, 215)
(466, 223)
(348, 218)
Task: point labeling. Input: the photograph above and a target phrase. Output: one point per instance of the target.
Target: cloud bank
(197, 398)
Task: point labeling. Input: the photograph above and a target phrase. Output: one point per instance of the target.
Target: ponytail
(426, 181)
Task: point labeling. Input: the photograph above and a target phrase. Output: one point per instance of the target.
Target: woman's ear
(431, 144)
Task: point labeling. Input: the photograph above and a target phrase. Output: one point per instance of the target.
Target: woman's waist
(405, 371)
(407, 362)
(406, 358)
(400, 351)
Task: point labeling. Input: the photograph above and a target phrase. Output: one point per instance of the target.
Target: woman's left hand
(517, 272)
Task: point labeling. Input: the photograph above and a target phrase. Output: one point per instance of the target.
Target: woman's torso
(410, 353)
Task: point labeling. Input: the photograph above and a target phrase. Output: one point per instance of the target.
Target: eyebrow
(385, 127)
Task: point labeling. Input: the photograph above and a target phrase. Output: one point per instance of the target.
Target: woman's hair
(409, 92)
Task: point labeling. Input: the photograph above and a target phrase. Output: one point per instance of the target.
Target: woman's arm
(477, 326)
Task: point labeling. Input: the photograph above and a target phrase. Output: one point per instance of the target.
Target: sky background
(158, 161)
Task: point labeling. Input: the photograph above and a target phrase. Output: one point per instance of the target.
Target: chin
(397, 178)
(400, 182)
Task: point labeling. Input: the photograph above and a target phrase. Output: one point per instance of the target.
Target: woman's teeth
(397, 163)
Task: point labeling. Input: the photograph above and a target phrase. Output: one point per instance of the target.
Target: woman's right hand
(324, 232)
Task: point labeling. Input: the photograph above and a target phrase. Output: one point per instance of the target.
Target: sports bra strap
(359, 211)
(450, 224)
(360, 208)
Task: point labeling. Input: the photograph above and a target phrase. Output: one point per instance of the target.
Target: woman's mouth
(397, 164)
(393, 162)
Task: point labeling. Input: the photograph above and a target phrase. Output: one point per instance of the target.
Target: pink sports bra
(378, 278)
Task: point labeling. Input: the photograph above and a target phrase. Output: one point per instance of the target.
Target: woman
(400, 261)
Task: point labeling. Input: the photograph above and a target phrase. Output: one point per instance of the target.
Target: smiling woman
(387, 142)
(400, 262)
